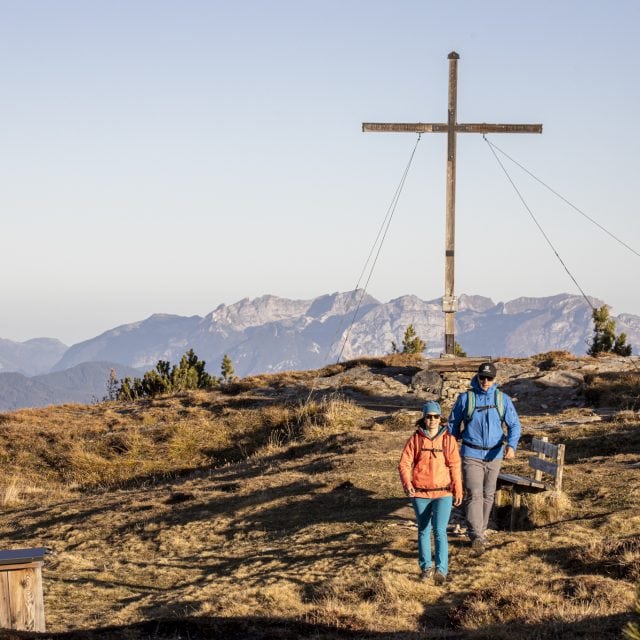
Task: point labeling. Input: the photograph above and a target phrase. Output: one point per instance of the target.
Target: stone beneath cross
(451, 127)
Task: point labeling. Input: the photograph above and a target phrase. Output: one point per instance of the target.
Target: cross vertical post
(451, 128)
(449, 302)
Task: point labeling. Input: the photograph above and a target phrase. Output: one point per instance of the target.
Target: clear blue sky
(169, 156)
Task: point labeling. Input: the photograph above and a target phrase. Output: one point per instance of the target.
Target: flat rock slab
(561, 379)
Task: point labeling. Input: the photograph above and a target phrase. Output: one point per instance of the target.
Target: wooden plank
(542, 445)
(14, 567)
(5, 607)
(543, 465)
(536, 444)
(483, 127)
(405, 127)
(443, 127)
(38, 602)
(559, 473)
(22, 556)
(25, 600)
(521, 481)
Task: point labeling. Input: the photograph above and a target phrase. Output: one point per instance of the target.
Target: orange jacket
(432, 467)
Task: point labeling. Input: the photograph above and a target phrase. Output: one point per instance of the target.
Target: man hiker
(477, 418)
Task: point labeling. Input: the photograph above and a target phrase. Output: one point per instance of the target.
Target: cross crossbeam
(451, 128)
(443, 127)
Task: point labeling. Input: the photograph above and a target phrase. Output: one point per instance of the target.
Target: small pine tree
(412, 343)
(621, 347)
(458, 350)
(604, 335)
(226, 369)
(126, 391)
(604, 331)
(112, 386)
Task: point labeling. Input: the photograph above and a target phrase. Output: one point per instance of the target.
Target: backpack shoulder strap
(499, 402)
(471, 404)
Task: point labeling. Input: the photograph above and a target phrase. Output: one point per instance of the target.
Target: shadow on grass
(605, 627)
(612, 440)
(194, 628)
(617, 558)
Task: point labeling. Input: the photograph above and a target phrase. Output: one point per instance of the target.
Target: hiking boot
(426, 574)
(439, 578)
(479, 546)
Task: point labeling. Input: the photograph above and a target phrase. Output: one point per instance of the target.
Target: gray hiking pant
(479, 477)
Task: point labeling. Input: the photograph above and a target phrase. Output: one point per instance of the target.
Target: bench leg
(516, 500)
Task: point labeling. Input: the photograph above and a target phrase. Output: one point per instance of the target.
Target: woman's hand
(410, 491)
(457, 501)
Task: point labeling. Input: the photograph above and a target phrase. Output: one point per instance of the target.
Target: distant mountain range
(269, 334)
(84, 383)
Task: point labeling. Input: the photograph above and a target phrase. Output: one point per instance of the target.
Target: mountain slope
(31, 357)
(83, 383)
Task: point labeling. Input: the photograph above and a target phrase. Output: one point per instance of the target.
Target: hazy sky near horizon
(165, 156)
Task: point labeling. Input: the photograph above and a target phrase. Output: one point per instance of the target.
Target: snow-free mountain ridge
(270, 333)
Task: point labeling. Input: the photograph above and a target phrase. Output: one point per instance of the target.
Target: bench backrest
(549, 459)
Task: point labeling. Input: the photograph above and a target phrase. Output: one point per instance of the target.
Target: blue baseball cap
(431, 408)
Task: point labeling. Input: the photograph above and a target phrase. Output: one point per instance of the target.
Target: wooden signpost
(451, 127)
(21, 599)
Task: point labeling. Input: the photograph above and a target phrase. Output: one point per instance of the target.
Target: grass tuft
(619, 558)
(546, 507)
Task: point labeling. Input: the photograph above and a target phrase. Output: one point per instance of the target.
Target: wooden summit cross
(451, 127)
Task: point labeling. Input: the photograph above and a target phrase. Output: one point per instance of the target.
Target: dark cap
(487, 369)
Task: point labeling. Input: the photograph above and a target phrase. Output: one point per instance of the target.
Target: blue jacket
(485, 427)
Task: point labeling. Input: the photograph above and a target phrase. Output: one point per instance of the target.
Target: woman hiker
(430, 472)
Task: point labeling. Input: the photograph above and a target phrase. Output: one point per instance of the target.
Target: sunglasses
(430, 417)
(483, 378)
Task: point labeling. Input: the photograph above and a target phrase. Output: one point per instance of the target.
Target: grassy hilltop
(259, 511)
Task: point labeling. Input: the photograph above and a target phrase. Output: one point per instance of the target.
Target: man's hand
(509, 453)
(411, 492)
(457, 502)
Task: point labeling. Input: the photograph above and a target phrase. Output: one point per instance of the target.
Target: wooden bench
(547, 459)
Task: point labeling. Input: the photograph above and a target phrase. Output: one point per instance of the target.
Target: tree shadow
(616, 558)
(227, 628)
(622, 440)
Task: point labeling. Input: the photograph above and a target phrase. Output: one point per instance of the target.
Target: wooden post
(449, 301)
(21, 599)
(560, 463)
(515, 507)
(538, 472)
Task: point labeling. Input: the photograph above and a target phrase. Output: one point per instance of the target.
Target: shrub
(604, 335)
(188, 374)
(411, 343)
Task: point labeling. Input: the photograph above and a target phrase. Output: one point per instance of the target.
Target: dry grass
(237, 511)
(10, 493)
(392, 360)
(618, 557)
(546, 507)
(614, 389)
(555, 606)
(92, 447)
(404, 421)
(552, 360)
